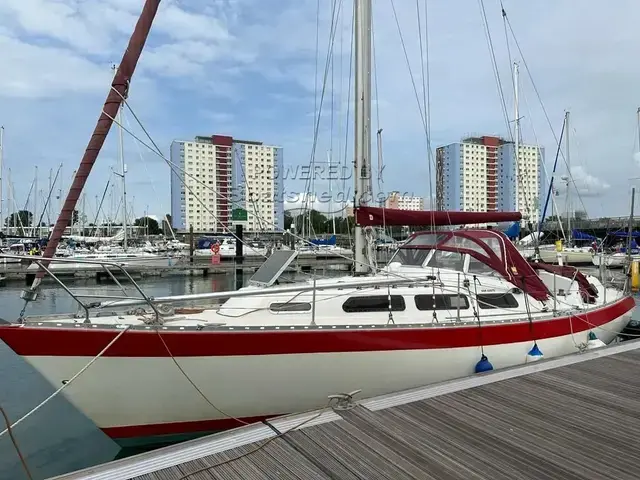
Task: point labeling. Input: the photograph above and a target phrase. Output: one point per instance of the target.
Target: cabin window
(411, 256)
(290, 307)
(426, 239)
(476, 266)
(448, 260)
(442, 302)
(497, 300)
(374, 303)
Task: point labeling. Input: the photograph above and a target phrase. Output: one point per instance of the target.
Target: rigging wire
(99, 208)
(67, 382)
(494, 65)
(155, 150)
(406, 57)
(174, 169)
(144, 164)
(318, 114)
(518, 167)
(374, 69)
(315, 115)
(509, 27)
(425, 83)
(508, 44)
(537, 92)
(346, 132)
(425, 121)
(544, 167)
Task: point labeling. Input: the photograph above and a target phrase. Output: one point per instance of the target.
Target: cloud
(185, 25)
(46, 71)
(588, 185)
(585, 184)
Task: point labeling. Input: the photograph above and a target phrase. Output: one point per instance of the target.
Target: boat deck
(575, 417)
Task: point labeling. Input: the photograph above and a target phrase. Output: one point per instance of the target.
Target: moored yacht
(448, 304)
(444, 300)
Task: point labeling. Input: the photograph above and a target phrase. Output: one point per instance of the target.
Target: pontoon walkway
(575, 417)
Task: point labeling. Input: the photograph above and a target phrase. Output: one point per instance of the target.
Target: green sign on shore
(239, 215)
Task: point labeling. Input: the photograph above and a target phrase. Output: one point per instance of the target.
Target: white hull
(127, 263)
(568, 257)
(229, 253)
(112, 394)
(613, 260)
(250, 252)
(549, 254)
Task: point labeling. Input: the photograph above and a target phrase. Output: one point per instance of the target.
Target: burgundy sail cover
(376, 216)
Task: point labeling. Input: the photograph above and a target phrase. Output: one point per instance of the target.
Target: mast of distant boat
(332, 213)
(362, 131)
(568, 155)
(123, 171)
(35, 231)
(516, 106)
(633, 199)
(1, 166)
(638, 114)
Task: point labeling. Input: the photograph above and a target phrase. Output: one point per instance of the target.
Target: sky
(251, 69)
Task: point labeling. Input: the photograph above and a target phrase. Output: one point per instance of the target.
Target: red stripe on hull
(81, 341)
(179, 428)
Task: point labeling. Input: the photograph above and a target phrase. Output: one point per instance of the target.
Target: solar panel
(272, 268)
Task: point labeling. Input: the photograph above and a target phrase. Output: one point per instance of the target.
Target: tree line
(320, 223)
(24, 219)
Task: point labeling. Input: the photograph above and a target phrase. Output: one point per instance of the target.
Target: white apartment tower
(201, 184)
(480, 174)
(258, 184)
(521, 190)
(220, 181)
(404, 202)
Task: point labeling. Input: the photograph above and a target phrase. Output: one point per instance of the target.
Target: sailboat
(622, 257)
(448, 304)
(107, 251)
(571, 253)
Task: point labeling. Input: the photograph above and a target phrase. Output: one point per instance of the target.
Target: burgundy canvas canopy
(489, 247)
(377, 216)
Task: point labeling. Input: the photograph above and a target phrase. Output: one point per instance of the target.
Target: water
(59, 439)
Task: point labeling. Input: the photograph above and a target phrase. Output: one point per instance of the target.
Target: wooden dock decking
(576, 417)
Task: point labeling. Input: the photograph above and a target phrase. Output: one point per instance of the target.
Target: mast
(35, 231)
(380, 166)
(516, 102)
(1, 166)
(123, 169)
(10, 216)
(630, 231)
(332, 213)
(362, 131)
(83, 215)
(638, 114)
(117, 90)
(49, 198)
(568, 155)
